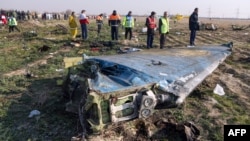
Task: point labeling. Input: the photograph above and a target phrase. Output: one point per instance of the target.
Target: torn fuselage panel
(126, 86)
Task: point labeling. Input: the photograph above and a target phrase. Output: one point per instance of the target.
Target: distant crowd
(28, 15)
(152, 23)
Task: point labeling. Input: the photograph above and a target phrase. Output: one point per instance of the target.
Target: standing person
(73, 25)
(99, 22)
(84, 21)
(12, 24)
(151, 25)
(193, 26)
(4, 19)
(163, 28)
(128, 23)
(114, 22)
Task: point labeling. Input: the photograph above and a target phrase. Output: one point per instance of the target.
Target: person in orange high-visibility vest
(151, 26)
(73, 25)
(114, 22)
(99, 22)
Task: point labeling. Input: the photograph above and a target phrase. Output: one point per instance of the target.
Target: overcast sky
(207, 8)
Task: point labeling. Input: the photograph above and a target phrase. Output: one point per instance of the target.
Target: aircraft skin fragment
(126, 86)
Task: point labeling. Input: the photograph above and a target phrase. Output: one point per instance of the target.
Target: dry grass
(19, 94)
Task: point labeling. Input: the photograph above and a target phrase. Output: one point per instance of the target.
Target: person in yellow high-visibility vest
(12, 22)
(73, 25)
(128, 24)
(163, 28)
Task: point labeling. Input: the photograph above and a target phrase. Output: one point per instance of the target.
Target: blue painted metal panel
(175, 70)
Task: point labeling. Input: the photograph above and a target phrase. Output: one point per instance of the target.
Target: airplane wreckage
(109, 89)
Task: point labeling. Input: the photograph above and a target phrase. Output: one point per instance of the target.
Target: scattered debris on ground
(60, 29)
(208, 26)
(237, 27)
(206, 113)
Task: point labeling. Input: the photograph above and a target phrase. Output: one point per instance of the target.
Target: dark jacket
(193, 22)
(114, 20)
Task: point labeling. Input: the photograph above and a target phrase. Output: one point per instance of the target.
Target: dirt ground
(201, 111)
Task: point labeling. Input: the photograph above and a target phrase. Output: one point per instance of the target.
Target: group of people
(20, 14)
(83, 20)
(114, 21)
(10, 21)
(163, 27)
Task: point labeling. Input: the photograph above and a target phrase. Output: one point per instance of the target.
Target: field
(32, 67)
